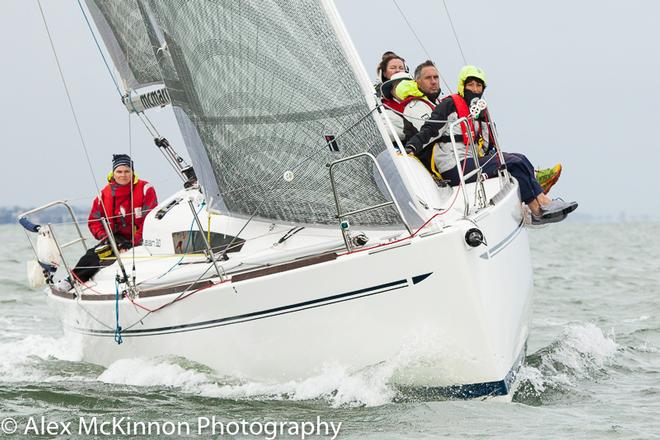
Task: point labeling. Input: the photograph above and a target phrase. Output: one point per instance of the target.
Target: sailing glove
(123, 243)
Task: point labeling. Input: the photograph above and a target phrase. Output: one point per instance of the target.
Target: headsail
(256, 87)
(124, 32)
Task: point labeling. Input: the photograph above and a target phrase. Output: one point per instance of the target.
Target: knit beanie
(121, 159)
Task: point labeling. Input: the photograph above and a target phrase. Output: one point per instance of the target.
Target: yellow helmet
(467, 72)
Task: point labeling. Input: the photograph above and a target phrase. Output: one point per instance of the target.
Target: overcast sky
(568, 81)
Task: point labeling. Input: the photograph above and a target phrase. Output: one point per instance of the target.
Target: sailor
(395, 103)
(125, 219)
(427, 78)
(390, 64)
(418, 99)
(434, 136)
(408, 104)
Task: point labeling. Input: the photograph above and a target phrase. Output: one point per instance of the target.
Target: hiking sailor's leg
(87, 266)
(521, 168)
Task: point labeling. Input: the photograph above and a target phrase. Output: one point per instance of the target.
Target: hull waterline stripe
(504, 243)
(473, 390)
(342, 297)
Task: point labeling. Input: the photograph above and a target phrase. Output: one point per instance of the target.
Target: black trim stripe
(420, 278)
(252, 316)
(504, 243)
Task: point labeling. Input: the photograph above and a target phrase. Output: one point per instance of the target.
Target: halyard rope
(420, 42)
(451, 23)
(70, 101)
(98, 46)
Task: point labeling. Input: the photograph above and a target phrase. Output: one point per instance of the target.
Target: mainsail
(258, 89)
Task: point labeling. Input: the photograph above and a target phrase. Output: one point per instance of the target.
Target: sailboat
(304, 237)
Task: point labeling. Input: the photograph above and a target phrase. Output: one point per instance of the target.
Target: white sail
(257, 88)
(122, 27)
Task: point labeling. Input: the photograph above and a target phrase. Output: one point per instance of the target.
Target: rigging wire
(153, 131)
(444, 81)
(451, 23)
(98, 46)
(151, 128)
(90, 314)
(71, 106)
(118, 338)
(277, 177)
(132, 198)
(132, 183)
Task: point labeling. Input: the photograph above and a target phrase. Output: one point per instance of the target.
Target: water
(593, 368)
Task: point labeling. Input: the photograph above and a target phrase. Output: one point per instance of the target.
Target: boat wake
(581, 352)
(335, 385)
(43, 359)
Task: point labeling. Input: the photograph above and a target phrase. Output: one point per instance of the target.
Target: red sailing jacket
(463, 111)
(399, 107)
(117, 203)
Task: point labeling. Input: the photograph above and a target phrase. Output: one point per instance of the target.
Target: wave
(581, 352)
(44, 359)
(40, 359)
(334, 385)
(15, 285)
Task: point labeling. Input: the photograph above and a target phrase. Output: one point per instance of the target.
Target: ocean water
(592, 370)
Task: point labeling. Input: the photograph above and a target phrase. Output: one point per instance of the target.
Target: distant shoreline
(9, 215)
(58, 214)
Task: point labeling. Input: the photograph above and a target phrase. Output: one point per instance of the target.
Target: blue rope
(118, 338)
(98, 46)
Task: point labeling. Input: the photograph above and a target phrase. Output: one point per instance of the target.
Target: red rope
(85, 285)
(413, 234)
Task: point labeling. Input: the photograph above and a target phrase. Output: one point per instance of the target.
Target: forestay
(256, 87)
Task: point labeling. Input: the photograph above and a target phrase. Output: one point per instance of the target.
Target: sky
(568, 81)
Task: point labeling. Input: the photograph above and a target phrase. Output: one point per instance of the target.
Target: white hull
(458, 316)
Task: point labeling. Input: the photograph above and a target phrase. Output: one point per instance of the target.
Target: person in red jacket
(125, 219)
